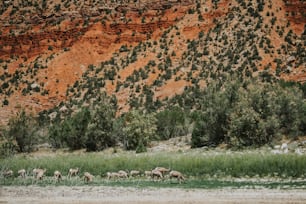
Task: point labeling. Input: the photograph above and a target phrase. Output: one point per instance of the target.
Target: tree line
(233, 112)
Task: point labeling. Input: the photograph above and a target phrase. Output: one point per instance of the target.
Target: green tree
(211, 127)
(22, 128)
(8, 146)
(99, 134)
(171, 123)
(255, 120)
(243, 128)
(289, 110)
(138, 129)
(74, 129)
(56, 135)
(303, 118)
(251, 113)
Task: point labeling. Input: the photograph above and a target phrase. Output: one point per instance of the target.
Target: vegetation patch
(203, 169)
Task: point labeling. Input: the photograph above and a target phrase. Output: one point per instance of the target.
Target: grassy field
(202, 169)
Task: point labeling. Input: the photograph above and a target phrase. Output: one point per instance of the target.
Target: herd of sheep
(158, 173)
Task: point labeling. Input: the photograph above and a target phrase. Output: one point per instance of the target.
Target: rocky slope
(142, 52)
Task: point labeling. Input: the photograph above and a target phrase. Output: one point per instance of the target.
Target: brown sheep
(123, 174)
(22, 173)
(113, 175)
(157, 174)
(35, 172)
(73, 172)
(178, 175)
(8, 173)
(163, 170)
(39, 173)
(88, 177)
(57, 176)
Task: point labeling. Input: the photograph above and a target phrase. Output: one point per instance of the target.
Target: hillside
(141, 52)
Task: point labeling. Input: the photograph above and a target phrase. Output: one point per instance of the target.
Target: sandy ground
(114, 195)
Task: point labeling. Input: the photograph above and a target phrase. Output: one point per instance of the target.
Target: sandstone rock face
(296, 10)
(52, 46)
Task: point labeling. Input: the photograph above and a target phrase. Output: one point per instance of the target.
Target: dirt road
(115, 195)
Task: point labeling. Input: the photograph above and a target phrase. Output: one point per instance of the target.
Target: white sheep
(73, 172)
(88, 177)
(22, 173)
(178, 175)
(57, 175)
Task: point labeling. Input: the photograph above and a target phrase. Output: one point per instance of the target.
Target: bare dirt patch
(112, 195)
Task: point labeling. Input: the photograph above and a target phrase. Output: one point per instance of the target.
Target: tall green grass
(193, 164)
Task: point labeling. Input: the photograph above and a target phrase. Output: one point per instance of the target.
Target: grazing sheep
(157, 174)
(73, 172)
(22, 173)
(178, 175)
(39, 173)
(163, 170)
(148, 173)
(134, 173)
(35, 172)
(88, 177)
(57, 176)
(8, 173)
(113, 175)
(123, 174)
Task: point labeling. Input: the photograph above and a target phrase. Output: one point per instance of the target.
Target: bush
(210, 129)
(171, 123)
(90, 128)
(99, 133)
(5, 102)
(8, 145)
(248, 114)
(7, 149)
(74, 129)
(56, 135)
(22, 128)
(138, 129)
(248, 128)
